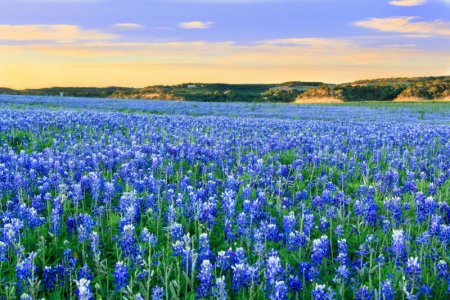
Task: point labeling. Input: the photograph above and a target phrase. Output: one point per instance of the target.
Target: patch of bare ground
(318, 100)
(417, 99)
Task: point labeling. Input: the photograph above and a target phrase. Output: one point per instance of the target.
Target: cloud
(128, 26)
(308, 42)
(195, 25)
(407, 2)
(57, 33)
(104, 63)
(407, 25)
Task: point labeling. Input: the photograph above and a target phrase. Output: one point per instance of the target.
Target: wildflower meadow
(117, 199)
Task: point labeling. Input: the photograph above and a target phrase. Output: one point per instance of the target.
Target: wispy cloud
(56, 33)
(407, 2)
(407, 25)
(128, 26)
(307, 42)
(195, 25)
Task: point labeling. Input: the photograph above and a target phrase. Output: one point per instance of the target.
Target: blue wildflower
(205, 277)
(241, 276)
(3, 251)
(158, 293)
(320, 292)
(224, 260)
(398, 245)
(83, 290)
(363, 293)
(320, 249)
(289, 223)
(51, 276)
(280, 291)
(204, 252)
(273, 270)
(294, 283)
(220, 291)
(148, 237)
(94, 245)
(85, 272)
(121, 276)
(339, 231)
(387, 291)
(127, 241)
(176, 231)
(296, 240)
(413, 268)
(26, 271)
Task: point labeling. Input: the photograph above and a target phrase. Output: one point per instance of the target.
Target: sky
(45, 43)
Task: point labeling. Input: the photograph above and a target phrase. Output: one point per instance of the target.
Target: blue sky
(139, 43)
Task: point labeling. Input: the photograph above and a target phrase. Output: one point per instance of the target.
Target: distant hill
(284, 92)
(401, 80)
(390, 89)
(8, 91)
(90, 92)
(384, 89)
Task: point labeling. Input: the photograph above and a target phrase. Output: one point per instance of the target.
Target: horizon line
(227, 83)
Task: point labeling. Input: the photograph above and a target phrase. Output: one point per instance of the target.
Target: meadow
(129, 199)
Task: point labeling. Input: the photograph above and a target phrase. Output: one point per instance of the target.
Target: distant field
(235, 109)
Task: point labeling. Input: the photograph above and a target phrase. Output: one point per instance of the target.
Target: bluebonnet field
(111, 199)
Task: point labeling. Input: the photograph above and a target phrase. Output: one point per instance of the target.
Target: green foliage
(371, 92)
(385, 89)
(8, 91)
(435, 89)
(200, 92)
(279, 95)
(88, 92)
(322, 91)
(18, 140)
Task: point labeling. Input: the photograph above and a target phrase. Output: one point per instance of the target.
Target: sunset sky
(146, 42)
